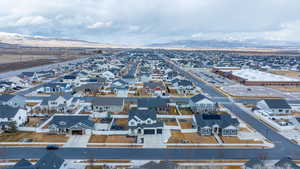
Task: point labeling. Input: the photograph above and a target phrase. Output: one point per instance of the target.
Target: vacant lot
(111, 139)
(236, 140)
(186, 111)
(36, 137)
(186, 123)
(194, 138)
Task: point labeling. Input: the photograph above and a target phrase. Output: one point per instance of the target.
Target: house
(202, 104)
(158, 104)
(160, 165)
(49, 161)
(145, 77)
(59, 102)
(101, 104)
(108, 75)
(71, 124)
(219, 124)
(154, 87)
(12, 100)
(184, 87)
(46, 74)
(55, 88)
(89, 88)
(287, 162)
(12, 114)
(143, 121)
(31, 76)
(253, 164)
(274, 106)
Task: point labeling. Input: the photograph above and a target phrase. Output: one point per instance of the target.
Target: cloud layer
(145, 21)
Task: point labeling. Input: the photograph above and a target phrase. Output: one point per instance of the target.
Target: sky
(137, 22)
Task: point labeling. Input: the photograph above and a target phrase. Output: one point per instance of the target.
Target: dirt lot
(170, 122)
(111, 139)
(122, 122)
(33, 121)
(36, 137)
(186, 123)
(178, 137)
(186, 111)
(236, 140)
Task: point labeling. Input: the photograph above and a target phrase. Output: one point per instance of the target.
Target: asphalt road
(283, 147)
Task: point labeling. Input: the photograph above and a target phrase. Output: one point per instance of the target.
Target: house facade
(216, 124)
(202, 104)
(99, 104)
(144, 122)
(274, 106)
(12, 114)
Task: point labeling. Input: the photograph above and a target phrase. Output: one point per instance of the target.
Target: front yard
(34, 137)
(190, 138)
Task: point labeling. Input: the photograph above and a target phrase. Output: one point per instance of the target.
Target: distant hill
(42, 41)
(226, 44)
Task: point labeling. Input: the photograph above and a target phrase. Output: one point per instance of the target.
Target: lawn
(170, 122)
(111, 139)
(33, 122)
(122, 122)
(36, 137)
(192, 138)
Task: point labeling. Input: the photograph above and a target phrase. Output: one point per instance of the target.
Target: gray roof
(6, 97)
(107, 101)
(223, 120)
(153, 102)
(277, 104)
(287, 162)
(253, 162)
(160, 165)
(199, 97)
(185, 83)
(50, 160)
(55, 85)
(7, 111)
(67, 121)
(23, 164)
(154, 85)
(141, 114)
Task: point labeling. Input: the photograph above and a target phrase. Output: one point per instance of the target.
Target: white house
(202, 104)
(12, 114)
(274, 106)
(142, 121)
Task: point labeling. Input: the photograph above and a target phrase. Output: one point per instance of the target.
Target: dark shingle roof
(153, 102)
(7, 111)
(223, 120)
(6, 97)
(277, 104)
(67, 121)
(160, 165)
(50, 160)
(253, 162)
(199, 97)
(141, 114)
(105, 101)
(287, 162)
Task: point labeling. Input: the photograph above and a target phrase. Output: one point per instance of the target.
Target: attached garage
(77, 132)
(159, 131)
(149, 131)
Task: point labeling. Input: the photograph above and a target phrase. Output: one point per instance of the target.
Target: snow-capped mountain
(42, 41)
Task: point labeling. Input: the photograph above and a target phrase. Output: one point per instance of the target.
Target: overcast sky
(149, 21)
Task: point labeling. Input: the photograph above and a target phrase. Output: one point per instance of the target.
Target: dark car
(52, 147)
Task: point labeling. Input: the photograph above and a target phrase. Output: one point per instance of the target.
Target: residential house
(184, 87)
(103, 104)
(71, 124)
(144, 121)
(274, 106)
(13, 100)
(49, 161)
(158, 104)
(155, 88)
(108, 75)
(58, 102)
(31, 76)
(286, 162)
(219, 124)
(202, 104)
(253, 164)
(55, 88)
(12, 114)
(145, 77)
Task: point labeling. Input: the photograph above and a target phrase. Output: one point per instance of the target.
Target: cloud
(144, 21)
(100, 25)
(31, 20)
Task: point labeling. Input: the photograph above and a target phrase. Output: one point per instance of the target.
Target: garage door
(77, 132)
(159, 131)
(149, 131)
